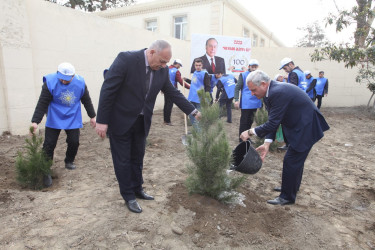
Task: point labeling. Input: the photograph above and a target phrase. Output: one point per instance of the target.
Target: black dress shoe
(142, 195)
(133, 206)
(279, 201)
(277, 189)
(285, 147)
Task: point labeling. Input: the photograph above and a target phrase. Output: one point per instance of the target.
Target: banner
(231, 54)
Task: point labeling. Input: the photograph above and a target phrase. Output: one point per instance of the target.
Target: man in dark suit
(302, 122)
(211, 63)
(126, 104)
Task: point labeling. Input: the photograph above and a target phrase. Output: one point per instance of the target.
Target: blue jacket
(197, 83)
(172, 76)
(303, 124)
(248, 101)
(64, 111)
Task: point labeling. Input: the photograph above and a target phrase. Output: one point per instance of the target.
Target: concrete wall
(35, 36)
(343, 90)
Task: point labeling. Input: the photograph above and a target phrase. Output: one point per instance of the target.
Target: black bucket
(246, 159)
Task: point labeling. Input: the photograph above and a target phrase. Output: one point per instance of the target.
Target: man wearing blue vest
(310, 85)
(61, 97)
(225, 84)
(321, 88)
(295, 74)
(249, 103)
(174, 77)
(200, 80)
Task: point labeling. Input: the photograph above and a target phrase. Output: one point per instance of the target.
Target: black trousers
(72, 139)
(168, 105)
(228, 105)
(319, 98)
(128, 151)
(292, 173)
(246, 120)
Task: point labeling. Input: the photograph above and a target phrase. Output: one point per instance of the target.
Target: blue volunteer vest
(320, 84)
(311, 92)
(300, 74)
(248, 101)
(213, 82)
(229, 85)
(196, 84)
(172, 75)
(64, 111)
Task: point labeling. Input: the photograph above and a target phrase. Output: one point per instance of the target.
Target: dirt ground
(335, 208)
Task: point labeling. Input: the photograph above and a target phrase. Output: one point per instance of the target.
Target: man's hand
(237, 105)
(263, 150)
(93, 122)
(198, 116)
(35, 126)
(101, 129)
(245, 135)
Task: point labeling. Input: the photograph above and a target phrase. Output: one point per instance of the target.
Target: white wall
(343, 90)
(35, 36)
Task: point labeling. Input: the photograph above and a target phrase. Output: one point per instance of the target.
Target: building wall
(343, 90)
(205, 17)
(165, 19)
(35, 36)
(235, 22)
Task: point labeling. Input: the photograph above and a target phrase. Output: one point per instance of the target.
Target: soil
(335, 207)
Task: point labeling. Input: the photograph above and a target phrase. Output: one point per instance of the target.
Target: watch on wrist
(249, 132)
(195, 113)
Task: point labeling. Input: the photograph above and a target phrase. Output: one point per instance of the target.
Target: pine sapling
(34, 165)
(210, 155)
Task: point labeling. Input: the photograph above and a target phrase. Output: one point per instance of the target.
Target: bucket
(246, 159)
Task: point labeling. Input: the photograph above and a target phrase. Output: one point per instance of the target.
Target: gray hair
(257, 77)
(160, 45)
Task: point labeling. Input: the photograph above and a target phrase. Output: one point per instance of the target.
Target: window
(152, 25)
(180, 27)
(262, 43)
(254, 43)
(246, 32)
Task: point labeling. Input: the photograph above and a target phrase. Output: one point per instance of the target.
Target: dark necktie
(213, 65)
(148, 74)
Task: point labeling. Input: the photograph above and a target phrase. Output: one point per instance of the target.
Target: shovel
(183, 138)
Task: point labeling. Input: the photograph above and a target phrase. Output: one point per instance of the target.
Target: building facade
(182, 18)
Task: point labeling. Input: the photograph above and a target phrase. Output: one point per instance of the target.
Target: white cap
(253, 62)
(65, 71)
(178, 61)
(285, 61)
(307, 72)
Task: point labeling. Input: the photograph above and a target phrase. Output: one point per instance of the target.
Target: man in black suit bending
(126, 104)
(211, 63)
(302, 122)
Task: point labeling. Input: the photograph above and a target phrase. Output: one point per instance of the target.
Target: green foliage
(210, 155)
(362, 53)
(314, 36)
(35, 165)
(93, 5)
(261, 117)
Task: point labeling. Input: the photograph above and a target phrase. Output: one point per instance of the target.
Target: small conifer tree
(210, 155)
(32, 167)
(261, 117)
